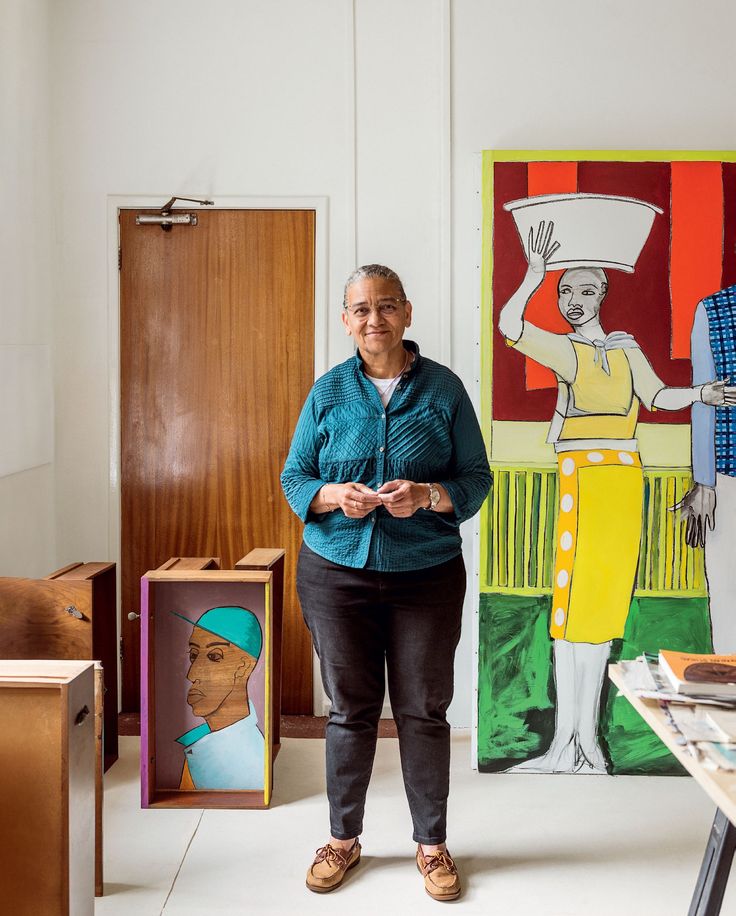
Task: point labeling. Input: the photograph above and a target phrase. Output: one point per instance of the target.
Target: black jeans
(358, 618)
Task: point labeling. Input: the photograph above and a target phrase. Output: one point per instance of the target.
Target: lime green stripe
(526, 552)
(491, 509)
(486, 312)
(503, 528)
(594, 155)
(550, 531)
(520, 553)
(534, 539)
(511, 531)
(649, 581)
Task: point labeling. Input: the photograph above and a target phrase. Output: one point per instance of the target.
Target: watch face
(434, 497)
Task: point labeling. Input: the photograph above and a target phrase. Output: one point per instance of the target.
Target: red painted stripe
(696, 249)
(548, 178)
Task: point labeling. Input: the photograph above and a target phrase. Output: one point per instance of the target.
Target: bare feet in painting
(560, 758)
(591, 761)
(569, 758)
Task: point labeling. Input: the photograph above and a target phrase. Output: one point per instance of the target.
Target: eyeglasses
(386, 307)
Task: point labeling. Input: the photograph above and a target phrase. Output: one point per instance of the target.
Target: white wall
(382, 106)
(26, 316)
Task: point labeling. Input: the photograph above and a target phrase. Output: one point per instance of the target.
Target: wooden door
(217, 357)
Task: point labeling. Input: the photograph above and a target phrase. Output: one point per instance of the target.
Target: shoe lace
(439, 860)
(330, 855)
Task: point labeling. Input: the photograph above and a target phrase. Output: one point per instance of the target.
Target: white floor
(536, 845)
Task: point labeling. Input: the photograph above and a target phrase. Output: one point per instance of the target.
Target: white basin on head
(600, 230)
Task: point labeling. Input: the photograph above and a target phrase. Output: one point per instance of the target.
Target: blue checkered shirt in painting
(428, 434)
(721, 310)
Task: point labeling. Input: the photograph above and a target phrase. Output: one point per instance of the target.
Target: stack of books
(711, 676)
(698, 696)
(708, 730)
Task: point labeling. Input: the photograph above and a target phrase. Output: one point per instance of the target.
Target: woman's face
(580, 294)
(377, 331)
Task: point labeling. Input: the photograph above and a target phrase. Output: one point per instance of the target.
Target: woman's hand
(718, 394)
(355, 499)
(541, 246)
(402, 498)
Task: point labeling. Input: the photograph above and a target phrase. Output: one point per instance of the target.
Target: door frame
(118, 202)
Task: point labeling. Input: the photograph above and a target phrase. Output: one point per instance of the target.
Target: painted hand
(402, 498)
(718, 394)
(540, 247)
(698, 508)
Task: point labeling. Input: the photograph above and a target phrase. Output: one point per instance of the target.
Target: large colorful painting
(608, 302)
(206, 715)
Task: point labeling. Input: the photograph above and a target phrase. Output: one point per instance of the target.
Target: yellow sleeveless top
(608, 402)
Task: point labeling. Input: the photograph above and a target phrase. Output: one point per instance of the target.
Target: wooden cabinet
(189, 756)
(70, 614)
(47, 788)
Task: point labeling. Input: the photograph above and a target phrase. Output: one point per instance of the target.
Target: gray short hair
(372, 270)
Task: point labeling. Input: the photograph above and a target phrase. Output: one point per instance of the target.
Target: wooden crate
(194, 722)
(47, 789)
(70, 614)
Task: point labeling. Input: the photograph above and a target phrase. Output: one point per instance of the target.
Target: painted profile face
(376, 315)
(580, 293)
(217, 668)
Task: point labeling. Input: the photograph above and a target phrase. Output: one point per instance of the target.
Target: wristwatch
(434, 497)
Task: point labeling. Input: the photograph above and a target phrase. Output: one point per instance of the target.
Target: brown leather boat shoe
(441, 880)
(330, 866)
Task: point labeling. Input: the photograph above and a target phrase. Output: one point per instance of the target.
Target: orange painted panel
(548, 178)
(552, 178)
(696, 252)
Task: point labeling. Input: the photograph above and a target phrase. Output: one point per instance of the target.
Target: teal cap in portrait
(237, 625)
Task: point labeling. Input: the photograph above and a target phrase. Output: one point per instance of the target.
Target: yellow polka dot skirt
(599, 525)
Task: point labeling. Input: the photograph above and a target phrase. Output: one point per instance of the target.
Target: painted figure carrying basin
(602, 379)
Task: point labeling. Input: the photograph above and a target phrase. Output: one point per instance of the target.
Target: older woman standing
(386, 461)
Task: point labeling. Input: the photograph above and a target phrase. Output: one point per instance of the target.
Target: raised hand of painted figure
(718, 394)
(698, 509)
(540, 247)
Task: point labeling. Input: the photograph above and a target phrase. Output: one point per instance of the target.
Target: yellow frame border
(489, 157)
(268, 712)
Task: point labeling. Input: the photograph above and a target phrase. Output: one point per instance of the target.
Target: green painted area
(516, 693)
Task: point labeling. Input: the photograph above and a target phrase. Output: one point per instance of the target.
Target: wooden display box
(207, 685)
(47, 788)
(70, 614)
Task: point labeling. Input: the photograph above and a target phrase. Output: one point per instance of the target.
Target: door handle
(133, 616)
(81, 715)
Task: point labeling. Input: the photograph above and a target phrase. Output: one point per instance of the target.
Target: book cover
(707, 675)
